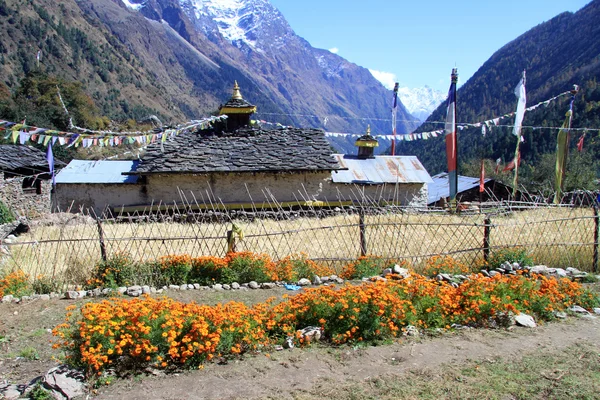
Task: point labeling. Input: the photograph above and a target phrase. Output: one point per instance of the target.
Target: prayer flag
(522, 100)
(50, 159)
(482, 177)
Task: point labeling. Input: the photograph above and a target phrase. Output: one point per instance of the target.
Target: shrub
(445, 265)
(118, 270)
(246, 266)
(208, 270)
(6, 215)
(44, 285)
(295, 267)
(511, 255)
(366, 266)
(15, 283)
(175, 269)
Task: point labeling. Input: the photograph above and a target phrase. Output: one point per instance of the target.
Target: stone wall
(25, 202)
(232, 188)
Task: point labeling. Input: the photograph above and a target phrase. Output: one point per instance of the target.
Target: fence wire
(66, 247)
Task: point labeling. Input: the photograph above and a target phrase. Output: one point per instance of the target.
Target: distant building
(26, 185)
(96, 185)
(399, 180)
(468, 190)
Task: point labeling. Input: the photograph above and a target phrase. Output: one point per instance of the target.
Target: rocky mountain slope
(179, 58)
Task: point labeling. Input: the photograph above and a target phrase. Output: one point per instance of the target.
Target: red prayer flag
(580, 143)
(482, 178)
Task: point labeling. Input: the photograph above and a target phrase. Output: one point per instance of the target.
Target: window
(32, 185)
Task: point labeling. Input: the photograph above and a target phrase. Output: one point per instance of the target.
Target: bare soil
(316, 372)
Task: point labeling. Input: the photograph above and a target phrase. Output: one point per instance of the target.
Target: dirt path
(304, 373)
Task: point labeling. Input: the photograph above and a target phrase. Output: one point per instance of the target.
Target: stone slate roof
(237, 103)
(16, 158)
(245, 150)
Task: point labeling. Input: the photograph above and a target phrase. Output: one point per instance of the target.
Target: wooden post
(363, 236)
(486, 237)
(101, 237)
(596, 226)
(230, 242)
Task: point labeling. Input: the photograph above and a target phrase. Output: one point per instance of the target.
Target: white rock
(173, 287)
(539, 269)
(197, 286)
(146, 289)
(253, 285)
(303, 282)
(8, 298)
(597, 311)
(122, 289)
(525, 320)
(66, 381)
(403, 272)
(386, 272)
(235, 286)
(44, 297)
(268, 285)
(11, 392)
(226, 286)
(217, 286)
(561, 273)
(579, 310)
(72, 295)
(316, 280)
(411, 330)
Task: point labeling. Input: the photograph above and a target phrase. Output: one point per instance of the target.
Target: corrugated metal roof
(440, 188)
(380, 170)
(84, 171)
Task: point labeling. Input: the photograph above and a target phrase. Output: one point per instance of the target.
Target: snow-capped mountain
(421, 102)
(241, 22)
(250, 41)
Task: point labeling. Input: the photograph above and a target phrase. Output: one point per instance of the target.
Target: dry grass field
(68, 246)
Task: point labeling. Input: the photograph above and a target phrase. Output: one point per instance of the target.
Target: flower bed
(134, 334)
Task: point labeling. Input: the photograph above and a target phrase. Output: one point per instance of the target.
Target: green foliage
(511, 255)
(208, 271)
(118, 270)
(39, 393)
(29, 353)
(366, 266)
(45, 285)
(246, 267)
(6, 215)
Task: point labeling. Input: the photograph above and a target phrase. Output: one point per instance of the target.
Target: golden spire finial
(236, 92)
(369, 130)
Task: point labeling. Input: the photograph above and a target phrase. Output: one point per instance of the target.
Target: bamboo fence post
(362, 228)
(596, 226)
(101, 238)
(486, 237)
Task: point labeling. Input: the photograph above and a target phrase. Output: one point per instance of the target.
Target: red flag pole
(394, 109)
(451, 139)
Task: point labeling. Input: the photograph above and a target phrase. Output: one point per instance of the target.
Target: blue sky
(418, 42)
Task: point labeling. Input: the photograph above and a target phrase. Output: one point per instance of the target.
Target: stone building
(25, 185)
(237, 165)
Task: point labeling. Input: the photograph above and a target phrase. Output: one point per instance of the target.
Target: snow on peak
(238, 21)
(421, 102)
(133, 6)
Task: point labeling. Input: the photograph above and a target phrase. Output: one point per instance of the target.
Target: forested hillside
(556, 55)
